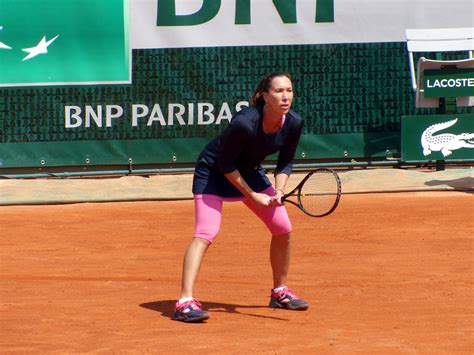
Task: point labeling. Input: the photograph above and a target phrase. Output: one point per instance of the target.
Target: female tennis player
(228, 169)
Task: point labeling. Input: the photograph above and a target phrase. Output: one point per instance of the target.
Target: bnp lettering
(201, 113)
(74, 117)
(167, 16)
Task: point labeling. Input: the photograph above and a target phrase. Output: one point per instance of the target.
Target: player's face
(280, 95)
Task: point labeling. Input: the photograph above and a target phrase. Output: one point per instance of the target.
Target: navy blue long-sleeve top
(242, 146)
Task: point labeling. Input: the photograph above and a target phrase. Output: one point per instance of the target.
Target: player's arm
(280, 184)
(287, 152)
(240, 184)
(285, 163)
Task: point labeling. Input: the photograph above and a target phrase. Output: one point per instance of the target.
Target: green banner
(52, 42)
(438, 137)
(173, 152)
(449, 82)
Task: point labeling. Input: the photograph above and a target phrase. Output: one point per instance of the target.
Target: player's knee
(208, 234)
(204, 239)
(280, 223)
(282, 226)
(283, 231)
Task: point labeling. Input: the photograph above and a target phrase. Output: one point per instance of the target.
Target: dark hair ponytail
(263, 86)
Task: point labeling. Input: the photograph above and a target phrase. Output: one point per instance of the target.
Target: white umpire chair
(438, 40)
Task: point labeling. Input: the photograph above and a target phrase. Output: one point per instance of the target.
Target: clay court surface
(385, 273)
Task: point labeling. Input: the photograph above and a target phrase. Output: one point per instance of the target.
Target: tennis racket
(318, 194)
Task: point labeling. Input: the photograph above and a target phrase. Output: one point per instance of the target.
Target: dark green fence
(352, 97)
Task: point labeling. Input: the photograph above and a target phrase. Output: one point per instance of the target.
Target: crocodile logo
(445, 142)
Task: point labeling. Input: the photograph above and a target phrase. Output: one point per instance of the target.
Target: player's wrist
(279, 192)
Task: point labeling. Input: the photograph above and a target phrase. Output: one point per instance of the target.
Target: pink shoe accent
(188, 306)
(285, 295)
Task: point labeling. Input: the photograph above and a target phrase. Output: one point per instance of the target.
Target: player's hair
(263, 86)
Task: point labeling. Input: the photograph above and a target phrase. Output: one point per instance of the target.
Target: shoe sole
(191, 320)
(288, 306)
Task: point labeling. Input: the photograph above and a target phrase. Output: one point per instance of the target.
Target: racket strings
(320, 193)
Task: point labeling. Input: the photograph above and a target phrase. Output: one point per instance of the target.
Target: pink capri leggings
(208, 212)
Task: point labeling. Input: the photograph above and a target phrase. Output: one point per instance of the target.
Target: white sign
(216, 22)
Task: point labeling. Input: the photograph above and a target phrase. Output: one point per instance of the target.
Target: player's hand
(276, 198)
(261, 200)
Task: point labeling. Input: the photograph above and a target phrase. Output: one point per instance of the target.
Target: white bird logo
(40, 48)
(3, 45)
